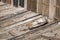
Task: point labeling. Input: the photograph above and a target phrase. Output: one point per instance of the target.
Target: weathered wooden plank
(17, 18)
(32, 5)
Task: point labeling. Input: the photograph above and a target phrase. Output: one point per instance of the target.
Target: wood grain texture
(43, 7)
(40, 6)
(28, 4)
(8, 1)
(32, 5)
(3, 1)
(57, 13)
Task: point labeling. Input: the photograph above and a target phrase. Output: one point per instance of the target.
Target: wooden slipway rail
(35, 33)
(8, 26)
(3, 24)
(12, 15)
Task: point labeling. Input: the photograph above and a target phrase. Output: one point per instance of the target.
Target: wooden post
(39, 6)
(25, 4)
(52, 9)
